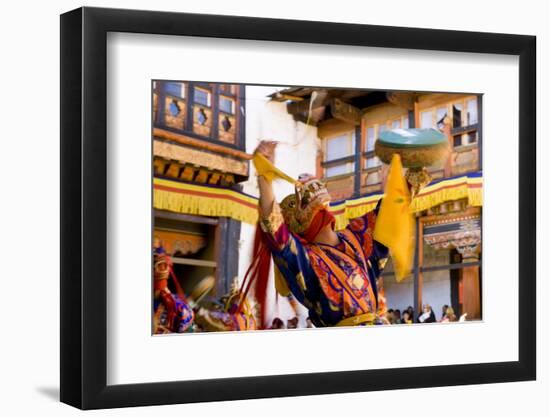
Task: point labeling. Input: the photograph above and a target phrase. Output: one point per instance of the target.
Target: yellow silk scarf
(267, 170)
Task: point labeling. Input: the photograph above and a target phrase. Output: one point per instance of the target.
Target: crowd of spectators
(426, 315)
(393, 316)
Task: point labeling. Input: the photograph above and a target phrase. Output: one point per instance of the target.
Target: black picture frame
(84, 207)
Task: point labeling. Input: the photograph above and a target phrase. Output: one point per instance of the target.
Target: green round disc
(412, 138)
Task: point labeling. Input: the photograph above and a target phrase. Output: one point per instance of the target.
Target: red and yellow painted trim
(212, 201)
(350, 209)
(203, 200)
(465, 186)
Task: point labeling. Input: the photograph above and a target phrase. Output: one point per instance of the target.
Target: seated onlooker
(449, 315)
(444, 310)
(292, 323)
(411, 312)
(427, 315)
(277, 324)
(397, 316)
(389, 316)
(406, 317)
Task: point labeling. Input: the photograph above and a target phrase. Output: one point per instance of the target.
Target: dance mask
(299, 209)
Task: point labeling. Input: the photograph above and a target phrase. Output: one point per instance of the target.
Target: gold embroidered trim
(271, 223)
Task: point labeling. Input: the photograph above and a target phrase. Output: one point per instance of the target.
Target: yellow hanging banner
(395, 224)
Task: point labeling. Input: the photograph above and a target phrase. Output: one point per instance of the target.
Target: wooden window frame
(213, 90)
(233, 104)
(185, 89)
(464, 129)
(208, 91)
(349, 159)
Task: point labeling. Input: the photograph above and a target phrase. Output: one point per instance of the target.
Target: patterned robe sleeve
(290, 255)
(375, 252)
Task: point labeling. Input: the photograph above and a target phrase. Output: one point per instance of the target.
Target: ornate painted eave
(183, 158)
(314, 105)
(460, 232)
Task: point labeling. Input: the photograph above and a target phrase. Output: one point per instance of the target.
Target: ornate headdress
(299, 209)
(225, 315)
(161, 268)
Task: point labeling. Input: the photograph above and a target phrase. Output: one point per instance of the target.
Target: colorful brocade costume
(182, 320)
(224, 316)
(339, 285)
(171, 312)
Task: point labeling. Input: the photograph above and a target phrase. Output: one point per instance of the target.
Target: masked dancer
(336, 275)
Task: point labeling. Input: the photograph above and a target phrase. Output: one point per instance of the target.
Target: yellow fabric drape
(269, 171)
(394, 224)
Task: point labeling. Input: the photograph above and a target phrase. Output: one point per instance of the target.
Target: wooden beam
(228, 180)
(159, 166)
(480, 131)
(412, 121)
(202, 176)
(173, 170)
(214, 178)
(201, 144)
(338, 161)
(188, 173)
(333, 127)
(317, 115)
(284, 97)
(345, 112)
(180, 217)
(320, 99)
(416, 111)
(193, 262)
(471, 303)
(359, 143)
(401, 99)
(448, 165)
(227, 253)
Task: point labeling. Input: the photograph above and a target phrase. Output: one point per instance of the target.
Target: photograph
(303, 207)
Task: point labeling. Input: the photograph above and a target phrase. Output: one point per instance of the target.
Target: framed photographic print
(256, 208)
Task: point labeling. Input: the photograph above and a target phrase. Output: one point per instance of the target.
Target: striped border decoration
(207, 200)
(204, 200)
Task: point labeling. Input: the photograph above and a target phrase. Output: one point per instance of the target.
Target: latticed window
(202, 97)
(175, 89)
(338, 149)
(209, 111)
(227, 105)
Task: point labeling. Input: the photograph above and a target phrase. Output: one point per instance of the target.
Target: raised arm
(271, 219)
(267, 198)
(293, 272)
